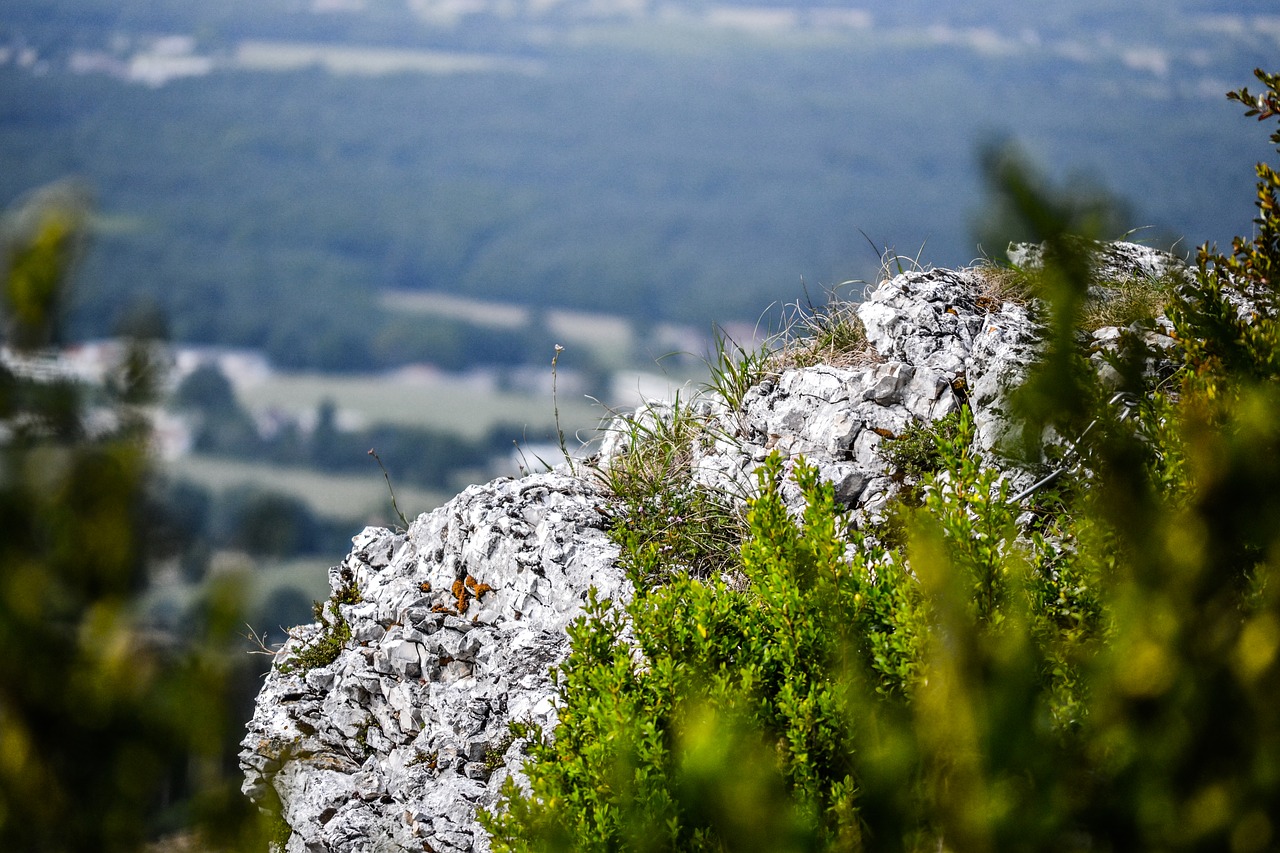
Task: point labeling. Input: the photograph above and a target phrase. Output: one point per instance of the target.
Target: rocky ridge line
(444, 634)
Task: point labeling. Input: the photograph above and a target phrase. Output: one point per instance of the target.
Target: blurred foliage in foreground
(105, 728)
(1108, 682)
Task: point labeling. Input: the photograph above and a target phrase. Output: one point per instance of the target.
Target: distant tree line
(191, 522)
(273, 210)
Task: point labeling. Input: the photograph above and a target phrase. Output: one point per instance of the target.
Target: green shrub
(829, 630)
(917, 451)
(1222, 346)
(719, 665)
(335, 632)
(664, 522)
(103, 723)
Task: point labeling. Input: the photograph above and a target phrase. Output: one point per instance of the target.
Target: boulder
(396, 742)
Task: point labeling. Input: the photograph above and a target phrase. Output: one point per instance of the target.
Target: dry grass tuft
(1005, 284)
(828, 334)
(1112, 303)
(1128, 302)
(831, 334)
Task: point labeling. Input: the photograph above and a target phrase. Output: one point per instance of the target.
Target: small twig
(1038, 485)
(555, 405)
(1073, 450)
(387, 477)
(522, 463)
(259, 640)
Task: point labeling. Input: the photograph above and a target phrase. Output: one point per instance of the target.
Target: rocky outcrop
(385, 726)
(1109, 263)
(936, 344)
(453, 627)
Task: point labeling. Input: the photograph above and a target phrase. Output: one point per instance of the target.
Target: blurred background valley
(367, 224)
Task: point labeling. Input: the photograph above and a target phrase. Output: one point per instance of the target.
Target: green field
(362, 497)
(605, 333)
(428, 401)
(502, 315)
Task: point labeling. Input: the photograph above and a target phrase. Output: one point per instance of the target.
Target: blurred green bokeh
(105, 727)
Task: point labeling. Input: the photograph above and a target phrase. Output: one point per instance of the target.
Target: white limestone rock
(936, 349)
(394, 743)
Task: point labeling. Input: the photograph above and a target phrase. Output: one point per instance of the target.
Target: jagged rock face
(396, 742)
(938, 339)
(1109, 262)
(937, 344)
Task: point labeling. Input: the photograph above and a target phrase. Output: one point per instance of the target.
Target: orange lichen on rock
(465, 590)
(477, 589)
(462, 595)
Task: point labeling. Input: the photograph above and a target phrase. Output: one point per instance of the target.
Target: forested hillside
(698, 166)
